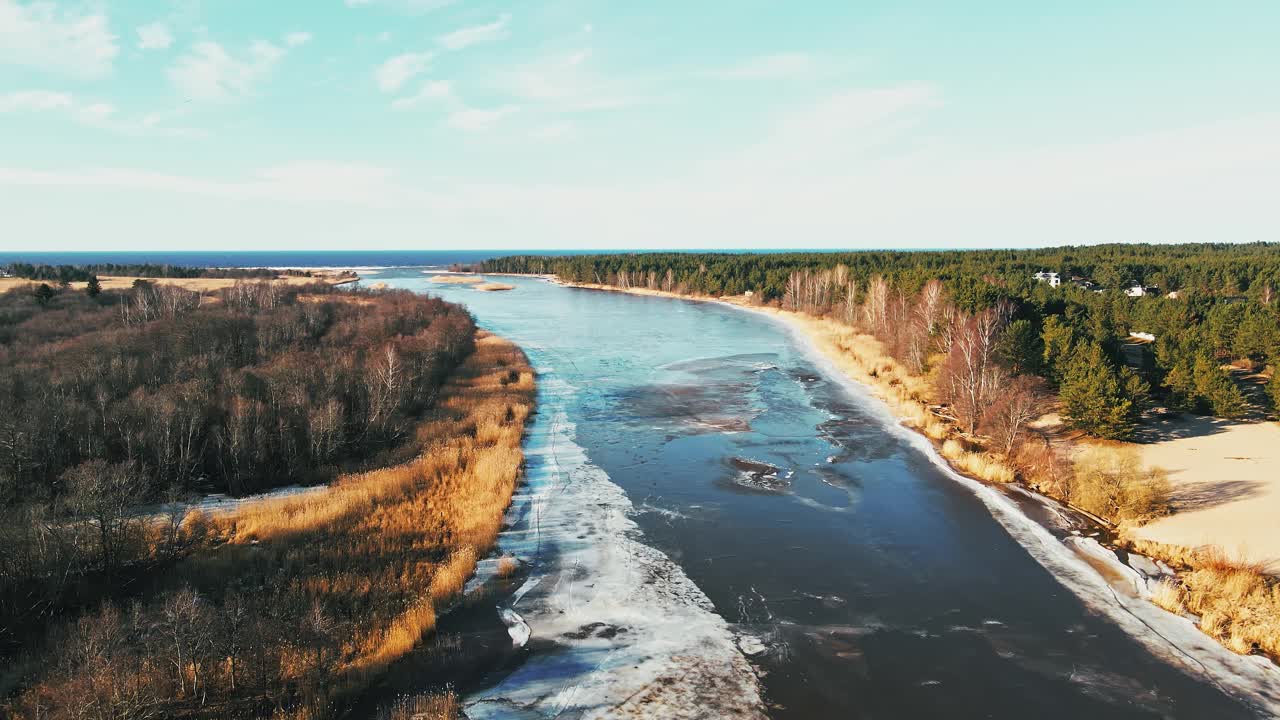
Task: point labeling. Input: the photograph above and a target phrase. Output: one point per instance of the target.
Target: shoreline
(1105, 573)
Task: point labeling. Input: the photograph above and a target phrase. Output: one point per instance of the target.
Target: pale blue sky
(429, 124)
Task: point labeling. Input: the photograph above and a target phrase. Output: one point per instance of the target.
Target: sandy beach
(1226, 480)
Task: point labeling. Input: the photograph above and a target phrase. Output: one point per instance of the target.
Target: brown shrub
(1111, 483)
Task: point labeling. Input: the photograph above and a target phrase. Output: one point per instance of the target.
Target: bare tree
(1022, 400)
(185, 623)
(103, 493)
(875, 309)
(971, 377)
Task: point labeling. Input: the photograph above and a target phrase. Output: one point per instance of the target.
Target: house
(1047, 277)
(4, 273)
(1140, 290)
(1137, 352)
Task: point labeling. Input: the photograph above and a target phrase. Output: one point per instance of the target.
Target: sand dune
(1226, 478)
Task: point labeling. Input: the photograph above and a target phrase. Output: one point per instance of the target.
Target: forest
(1207, 305)
(119, 400)
(82, 273)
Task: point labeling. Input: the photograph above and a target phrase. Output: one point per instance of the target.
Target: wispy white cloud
(568, 83)
(477, 119)
(313, 182)
(395, 72)
(96, 114)
(210, 73)
(431, 90)
(476, 34)
(35, 101)
(1180, 184)
(297, 39)
(154, 36)
(70, 42)
(39, 101)
(553, 132)
(765, 67)
(833, 133)
(458, 114)
(405, 6)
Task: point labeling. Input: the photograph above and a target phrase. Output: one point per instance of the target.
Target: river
(715, 525)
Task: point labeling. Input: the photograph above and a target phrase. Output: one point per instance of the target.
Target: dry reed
(1237, 600)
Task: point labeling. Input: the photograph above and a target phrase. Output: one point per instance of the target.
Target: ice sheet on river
(616, 629)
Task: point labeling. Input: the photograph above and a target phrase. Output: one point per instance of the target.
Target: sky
(523, 125)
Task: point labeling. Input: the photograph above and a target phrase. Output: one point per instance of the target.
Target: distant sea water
(267, 258)
(299, 258)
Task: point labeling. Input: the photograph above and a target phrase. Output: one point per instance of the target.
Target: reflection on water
(858, 578)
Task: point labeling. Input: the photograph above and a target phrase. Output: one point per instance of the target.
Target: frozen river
(714, 525)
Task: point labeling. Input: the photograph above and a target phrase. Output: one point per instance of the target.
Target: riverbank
(1241, 626)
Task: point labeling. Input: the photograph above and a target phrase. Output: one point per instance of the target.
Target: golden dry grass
(1237, 600)
(1167, 593)
(507, 566)
(423, 707)
(494, 287)
(415, 530)
(1111, 482)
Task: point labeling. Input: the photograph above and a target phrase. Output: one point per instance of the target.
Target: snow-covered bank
(615, 628)
(214, 503)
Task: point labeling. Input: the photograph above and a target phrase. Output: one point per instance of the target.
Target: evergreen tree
(1274, 388)
(1058, 337)
(1094, 396)
(1216, 392)
(1021, 348)
(94, 288)
(1180, 381)
(44, 294)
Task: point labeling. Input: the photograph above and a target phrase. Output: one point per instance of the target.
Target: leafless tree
(102, 493)
(875, 308)
(1022, 400)
(971, 377)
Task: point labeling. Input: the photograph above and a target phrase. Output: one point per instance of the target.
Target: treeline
(82, 273)
(1222, 310)
(145, 395)
(1214, 269)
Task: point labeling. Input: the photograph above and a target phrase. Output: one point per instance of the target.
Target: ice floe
(615, 628)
